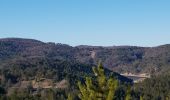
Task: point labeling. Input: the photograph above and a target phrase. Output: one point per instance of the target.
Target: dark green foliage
(102, 87)
(155, 88)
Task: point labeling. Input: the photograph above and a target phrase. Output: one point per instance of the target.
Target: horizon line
(126, 45)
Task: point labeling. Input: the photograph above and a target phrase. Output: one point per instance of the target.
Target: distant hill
(29, 60)
(132, 59)
(120, 59)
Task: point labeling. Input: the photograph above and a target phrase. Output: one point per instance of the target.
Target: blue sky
(87, 22)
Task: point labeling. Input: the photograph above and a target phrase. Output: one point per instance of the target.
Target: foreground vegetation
(55, 78)
(99, 86)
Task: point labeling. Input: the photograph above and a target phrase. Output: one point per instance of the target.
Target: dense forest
(34, 70)
(121, 59)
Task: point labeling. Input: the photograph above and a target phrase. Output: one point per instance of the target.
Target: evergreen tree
(70, 97)
(103, 88)
(50, 95)
(141, 98)
(128, 94)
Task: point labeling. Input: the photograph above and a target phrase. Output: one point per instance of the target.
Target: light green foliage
(102, 88)
(141, 98)
(128, 95)
(70, 97)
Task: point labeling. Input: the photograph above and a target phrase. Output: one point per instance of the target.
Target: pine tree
(102, 89)
(70, 97)
(128, 95)
(141, 98)
(50, 94)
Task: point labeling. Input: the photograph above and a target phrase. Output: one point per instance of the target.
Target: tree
(103, 88)
(141, 98)
(128, 95)
(70, 97)
(50, 94)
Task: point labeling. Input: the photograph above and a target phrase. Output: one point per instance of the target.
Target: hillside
(155, 88)
(129, 59)
(27, 59)
(34, 67)
(120, 59)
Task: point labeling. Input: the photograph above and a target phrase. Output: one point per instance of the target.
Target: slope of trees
(26, 60)
(118, 58)
(103, 87)
(155, 88)
(17, 80)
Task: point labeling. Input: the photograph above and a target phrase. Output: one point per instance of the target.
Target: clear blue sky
(87, 22)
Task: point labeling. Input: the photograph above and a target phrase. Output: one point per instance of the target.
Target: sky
(87, 22)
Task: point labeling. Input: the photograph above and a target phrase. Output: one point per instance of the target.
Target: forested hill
(117, 58)
(27, 60)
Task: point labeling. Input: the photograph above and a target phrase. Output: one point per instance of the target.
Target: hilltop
(121, 59)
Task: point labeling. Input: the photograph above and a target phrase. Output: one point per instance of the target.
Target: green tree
(103, 88)
(141, 98)
(70, 97)
(50, 95)
(128, 94)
